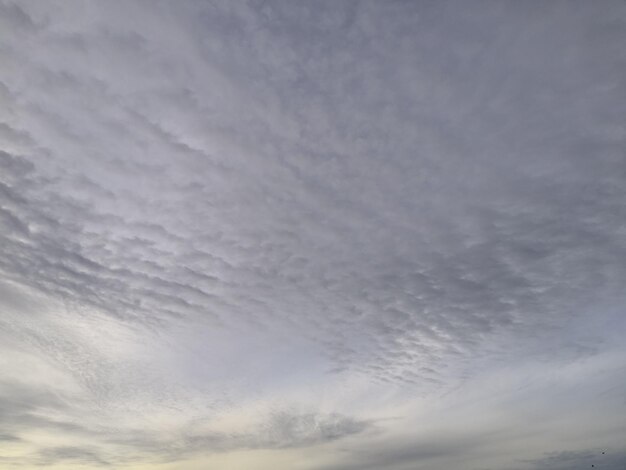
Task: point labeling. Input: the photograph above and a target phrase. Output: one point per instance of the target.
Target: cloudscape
(312, 235)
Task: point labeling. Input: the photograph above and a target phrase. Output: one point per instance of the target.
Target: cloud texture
(239, 227)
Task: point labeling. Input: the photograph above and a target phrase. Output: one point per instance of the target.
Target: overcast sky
(315, 235)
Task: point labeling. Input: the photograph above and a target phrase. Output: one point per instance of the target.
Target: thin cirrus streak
(312, 235)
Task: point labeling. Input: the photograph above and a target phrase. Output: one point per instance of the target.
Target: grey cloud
(85, 455)
(23, 408)
(457, 235)
(419, 453)
(418, 456)
(286, 429)
(605, 459)
(279, 430)
(398, 186)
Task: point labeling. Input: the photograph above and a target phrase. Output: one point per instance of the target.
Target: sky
(320, 235)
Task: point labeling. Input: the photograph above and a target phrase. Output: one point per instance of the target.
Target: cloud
(403, 262)
(53, 455)
(291, 430)
(279, 430)
(221, 204)
(409, 456)
(578, 459)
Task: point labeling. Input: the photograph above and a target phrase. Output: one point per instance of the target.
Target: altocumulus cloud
(312, 235)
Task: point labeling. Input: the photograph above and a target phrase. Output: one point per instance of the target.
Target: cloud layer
(254, 220)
